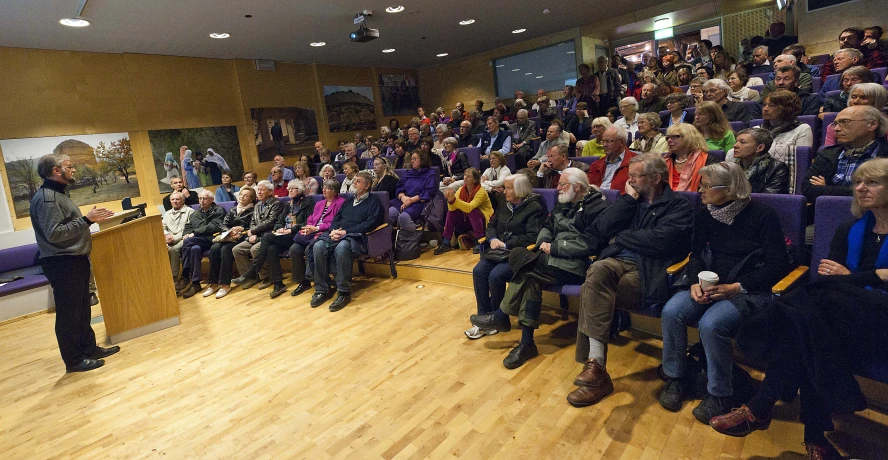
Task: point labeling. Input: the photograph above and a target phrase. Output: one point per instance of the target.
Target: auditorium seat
(882, 72)
(718, 155)
(763, 76)
(587, 160)
(828, 119)
(804, 157)
(737, 126)
(832, 93)
(474, 155)
(757, 88)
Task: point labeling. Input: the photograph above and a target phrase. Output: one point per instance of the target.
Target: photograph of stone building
(350, 108)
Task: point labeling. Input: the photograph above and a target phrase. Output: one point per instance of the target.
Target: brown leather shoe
(593, 375)
(821, 452)
(586, 396)
(738, 423)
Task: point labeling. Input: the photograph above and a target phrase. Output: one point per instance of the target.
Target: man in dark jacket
(199, 231)
(178, 185)
(347, 239)
(265, 214)
(860, 136)
(562, 255)
(787, 77)
(549, 174)
(717, 91)
(652, 225)
(523, 133)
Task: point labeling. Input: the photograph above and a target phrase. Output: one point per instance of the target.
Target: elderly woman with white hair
(561, 256)
(629, 110)
(515, 224)
(651, 140)
(455, 163)
(593, 147)
(442, 132)
(740, 243)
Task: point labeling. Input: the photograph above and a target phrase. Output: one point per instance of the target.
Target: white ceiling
(282, 30)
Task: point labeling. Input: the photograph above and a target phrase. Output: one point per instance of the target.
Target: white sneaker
(476, 332)
(210, 290)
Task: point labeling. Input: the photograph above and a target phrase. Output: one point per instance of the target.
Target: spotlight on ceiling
(388, 50)
(316, 44)
(220, 35)
(74, 22)
(441, 54)
(466, 22)
(394, 9)
(518, 31)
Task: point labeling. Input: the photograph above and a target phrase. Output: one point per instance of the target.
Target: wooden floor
(390, 376)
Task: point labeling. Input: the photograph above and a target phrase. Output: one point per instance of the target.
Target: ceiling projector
(364, 34)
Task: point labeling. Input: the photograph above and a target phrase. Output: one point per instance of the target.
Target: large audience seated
(656, 148)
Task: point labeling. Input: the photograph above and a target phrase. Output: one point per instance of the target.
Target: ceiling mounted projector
(363, 34)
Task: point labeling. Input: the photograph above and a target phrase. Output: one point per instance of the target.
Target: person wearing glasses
(687, 154)
(860, 133)
(718, 91)
(649, 227)
(561, 256)
(872, 94)
(742, 242)
(612, 170)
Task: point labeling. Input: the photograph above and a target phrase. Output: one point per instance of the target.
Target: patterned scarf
(241, 209)
(726, 214)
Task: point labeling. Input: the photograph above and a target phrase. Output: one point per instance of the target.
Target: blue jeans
(340, 254)
(718, 323)
(490, 280)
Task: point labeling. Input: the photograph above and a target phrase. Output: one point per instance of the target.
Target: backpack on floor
(407, 244)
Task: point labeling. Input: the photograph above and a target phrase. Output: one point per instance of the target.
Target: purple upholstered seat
(21, 261)
(829, 213)
(474, 155)
(549, 196)
(737, 126)
(804, 157)
(718, 155)
(587, 160)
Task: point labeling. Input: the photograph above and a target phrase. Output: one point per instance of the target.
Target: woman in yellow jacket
(468, 211)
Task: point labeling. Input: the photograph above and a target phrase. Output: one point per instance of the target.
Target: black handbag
(498, 255)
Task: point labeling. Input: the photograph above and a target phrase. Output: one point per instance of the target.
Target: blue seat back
(474, 155)
(793, 213)
(882, 72)
(759, 87)
(718, 155)
(756, 123)
(804, 157)
(832, 93)
(737, 126)
(587, 160)
(610, 195)
(829, 213)
(549, 197)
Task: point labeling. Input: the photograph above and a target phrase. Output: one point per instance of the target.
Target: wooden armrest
(377, 228)
(783, 285)
(675, 268)
(482, 240)
(531, 247)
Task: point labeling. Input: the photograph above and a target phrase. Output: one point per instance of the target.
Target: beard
(566, 196)
(69, 178)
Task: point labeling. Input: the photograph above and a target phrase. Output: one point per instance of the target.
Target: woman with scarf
(468, 211)
(713, 124)
(455, 162)
(516, 223)
(742, 242)
(227, 191)
(765, 174)
(185, 157)
(779, 110)
(171, 167)
(687, 155)
(814, 337)
(234, 230)
(651, 140)
(737, 80)
(273, 243)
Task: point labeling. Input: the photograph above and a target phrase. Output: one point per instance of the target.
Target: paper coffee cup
(708, 279)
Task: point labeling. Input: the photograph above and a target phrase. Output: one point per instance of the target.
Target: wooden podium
(132, 270)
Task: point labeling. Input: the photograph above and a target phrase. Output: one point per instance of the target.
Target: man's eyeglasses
(562, 185)
(670, 137)
(708, 187)
(844, 123)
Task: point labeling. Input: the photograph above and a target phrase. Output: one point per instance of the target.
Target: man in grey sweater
(64, 244)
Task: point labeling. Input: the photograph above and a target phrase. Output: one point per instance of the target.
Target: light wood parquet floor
(391, 376)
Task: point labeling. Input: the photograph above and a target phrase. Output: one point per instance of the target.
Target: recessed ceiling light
(515, 70)
(74, 22)
(441, 54)
(571, 52)
(501, 65)
(529, 73)
(318, 43)
(518, 31)
(394, 9)
(540, 76)
(220, 35)
(466, 22)
(388, 50)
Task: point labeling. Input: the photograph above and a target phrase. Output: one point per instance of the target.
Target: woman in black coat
(236, 223)
(742, 242)
(814, 338)
(516, 223)
(765, 174)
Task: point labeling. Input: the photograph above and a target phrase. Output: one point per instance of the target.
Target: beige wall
(55, 93)
(819, 30)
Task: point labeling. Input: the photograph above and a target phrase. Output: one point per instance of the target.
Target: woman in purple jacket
(317, 223)
(414, 192)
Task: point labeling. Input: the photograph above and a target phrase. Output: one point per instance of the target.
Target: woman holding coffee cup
(738, 254)
(843, 320)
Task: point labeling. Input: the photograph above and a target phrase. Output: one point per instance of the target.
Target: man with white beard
(561, 256)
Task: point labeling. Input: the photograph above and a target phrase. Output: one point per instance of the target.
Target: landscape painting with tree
(104, 163)
(197, 155)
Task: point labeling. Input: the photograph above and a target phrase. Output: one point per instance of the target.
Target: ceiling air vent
(265, 64)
